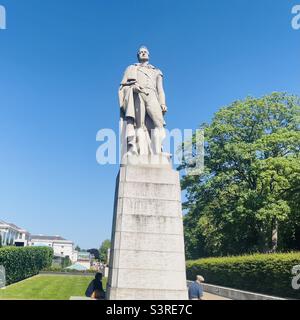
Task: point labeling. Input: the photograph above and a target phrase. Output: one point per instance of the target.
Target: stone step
(148, 294)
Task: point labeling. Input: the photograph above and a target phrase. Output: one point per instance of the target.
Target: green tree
(247, 198)
(94, 252)
(103, 250)
(66, 262)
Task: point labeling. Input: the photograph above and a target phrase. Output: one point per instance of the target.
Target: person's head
(143, 54)
(98, 276)
(199, 279)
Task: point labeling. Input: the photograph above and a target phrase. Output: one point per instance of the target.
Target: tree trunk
(274, 235)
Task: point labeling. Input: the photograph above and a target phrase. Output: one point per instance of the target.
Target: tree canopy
(94, 252)
(247, 199)
(103, 250)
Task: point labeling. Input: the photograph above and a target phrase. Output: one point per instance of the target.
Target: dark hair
(98, 276)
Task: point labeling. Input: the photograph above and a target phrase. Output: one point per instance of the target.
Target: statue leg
(131, 137)
(156, 125)
(142, 137)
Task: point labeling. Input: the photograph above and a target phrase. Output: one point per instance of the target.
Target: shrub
(25, 262)
(262, 273)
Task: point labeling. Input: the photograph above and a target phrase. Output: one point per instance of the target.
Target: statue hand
(139, 89)
(164, 108)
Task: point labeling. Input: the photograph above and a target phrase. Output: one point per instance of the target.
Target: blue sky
(61, 62)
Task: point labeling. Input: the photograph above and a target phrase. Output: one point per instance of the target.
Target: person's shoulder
(92, 283)
(192, 285)
(197, 285)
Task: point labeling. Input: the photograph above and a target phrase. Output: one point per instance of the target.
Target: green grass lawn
(48, 287)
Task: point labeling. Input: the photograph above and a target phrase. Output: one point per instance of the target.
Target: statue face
(143, 55)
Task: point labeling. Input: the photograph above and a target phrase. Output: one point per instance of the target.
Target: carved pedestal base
(147, 260)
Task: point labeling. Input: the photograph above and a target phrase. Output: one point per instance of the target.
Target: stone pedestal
(147, 260)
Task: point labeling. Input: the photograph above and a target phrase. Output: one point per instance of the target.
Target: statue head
(143, 54)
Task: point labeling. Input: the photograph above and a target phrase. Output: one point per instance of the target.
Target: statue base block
(147, 259)
(161, 161)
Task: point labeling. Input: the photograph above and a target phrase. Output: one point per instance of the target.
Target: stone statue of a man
(143, 105)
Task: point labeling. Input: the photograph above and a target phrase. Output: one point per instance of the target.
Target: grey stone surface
(147, 294)
(149, 242)
(234, 294)
(147, 259)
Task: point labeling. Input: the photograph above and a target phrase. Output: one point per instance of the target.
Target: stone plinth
(147, 260)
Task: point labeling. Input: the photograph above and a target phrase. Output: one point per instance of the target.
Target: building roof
(30, 236)
(43, 237)
(13, 226)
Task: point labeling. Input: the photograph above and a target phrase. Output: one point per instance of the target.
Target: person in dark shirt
(196, 289)
(95, 288)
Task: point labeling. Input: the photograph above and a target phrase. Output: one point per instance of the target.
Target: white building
(12, 235)
(61, 247)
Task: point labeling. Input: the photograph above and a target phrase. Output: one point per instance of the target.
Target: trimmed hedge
(269, 274)
(24, 262)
